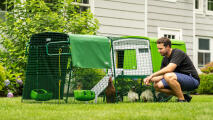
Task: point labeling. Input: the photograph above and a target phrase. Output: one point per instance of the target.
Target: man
(177, 72)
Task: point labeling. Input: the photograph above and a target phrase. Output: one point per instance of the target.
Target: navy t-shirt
(183, 62)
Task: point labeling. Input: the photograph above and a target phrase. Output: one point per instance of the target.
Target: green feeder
(84, 95)
(40, 95)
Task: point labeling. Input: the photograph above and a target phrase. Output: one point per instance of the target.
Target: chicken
(147, 95)
(132, 96)
(110, 92)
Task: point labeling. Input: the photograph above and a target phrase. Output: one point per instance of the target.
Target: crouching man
(177, 73)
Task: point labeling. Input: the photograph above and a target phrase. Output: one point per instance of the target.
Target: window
(3, 5)
(209, 7)
(170, 33)
(204, 51)
(170, 36)
(83, 5)
(3, 9)
(198, 6)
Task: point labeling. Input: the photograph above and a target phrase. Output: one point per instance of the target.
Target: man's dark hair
(166, 41)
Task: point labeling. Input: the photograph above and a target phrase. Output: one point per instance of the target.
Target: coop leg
(96, 99)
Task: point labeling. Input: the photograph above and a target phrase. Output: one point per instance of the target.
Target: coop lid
(90, 51)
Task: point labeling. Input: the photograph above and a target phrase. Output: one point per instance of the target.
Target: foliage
(206, 84)
(85, 78)
(2, 77)
(35, 16)
(125, 84)
(208, 68)
(12, 85)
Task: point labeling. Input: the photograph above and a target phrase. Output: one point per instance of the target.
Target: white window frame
(205, 51)
(173, 31)
(200, 7)
(83, 4)
(208, 12)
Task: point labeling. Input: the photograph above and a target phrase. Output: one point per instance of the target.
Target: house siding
(127, 17)
(120, 17)
(177, 15)
(204, 25)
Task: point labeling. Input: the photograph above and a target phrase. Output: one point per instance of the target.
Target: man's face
(162, 49)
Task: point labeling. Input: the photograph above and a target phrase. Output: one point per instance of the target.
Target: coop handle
(47, 46)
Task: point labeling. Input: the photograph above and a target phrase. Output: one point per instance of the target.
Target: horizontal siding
(160, 9)
(102, 12)
(121, 22)
(204, 25)
(120, 17)
(180, 4)
(120, 30)
(177, 15)
(138, 2)
(116, 5)
(170, 17)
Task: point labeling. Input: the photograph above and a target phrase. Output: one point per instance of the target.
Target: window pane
(2, 5)
(196, 4)
(207, 58)
(173, 36)
(2, 15)
(200, 59)
(203, 44)
(85, 1)
(210, 5)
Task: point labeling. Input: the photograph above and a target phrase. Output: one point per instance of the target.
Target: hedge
(206, 84)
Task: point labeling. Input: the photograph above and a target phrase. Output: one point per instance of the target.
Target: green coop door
(130, 59)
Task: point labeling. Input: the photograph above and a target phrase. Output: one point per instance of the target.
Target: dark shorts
(187, 82)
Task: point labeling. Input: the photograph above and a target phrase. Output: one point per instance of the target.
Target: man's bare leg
(171, 80)
(160, 88)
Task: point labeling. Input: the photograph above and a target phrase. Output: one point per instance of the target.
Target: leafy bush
(2, 77)
(206, 84)
(86, 78)
(29, 17)
(208, 68)
(10, 82)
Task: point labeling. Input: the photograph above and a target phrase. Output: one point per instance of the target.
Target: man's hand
(147, 80)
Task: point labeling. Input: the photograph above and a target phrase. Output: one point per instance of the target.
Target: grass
(200, 108)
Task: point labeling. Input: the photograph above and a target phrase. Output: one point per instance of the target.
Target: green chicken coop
(62, 66)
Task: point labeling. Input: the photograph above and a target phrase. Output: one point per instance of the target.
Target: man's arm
(169, 68)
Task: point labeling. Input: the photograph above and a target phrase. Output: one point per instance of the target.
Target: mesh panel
(42, 71)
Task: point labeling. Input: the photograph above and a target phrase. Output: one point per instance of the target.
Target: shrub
(2, 77)
(208, 68)
(10, 82)
(29, 17)
(206, 84)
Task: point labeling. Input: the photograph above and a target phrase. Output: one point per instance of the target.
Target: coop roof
(89, 51)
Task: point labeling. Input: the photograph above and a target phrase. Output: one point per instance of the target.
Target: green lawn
(200, 108)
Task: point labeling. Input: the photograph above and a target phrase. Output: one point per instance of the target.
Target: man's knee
(158, 86)
(169, 77)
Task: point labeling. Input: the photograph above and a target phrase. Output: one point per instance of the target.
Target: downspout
(145, 17)
(194, 43)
